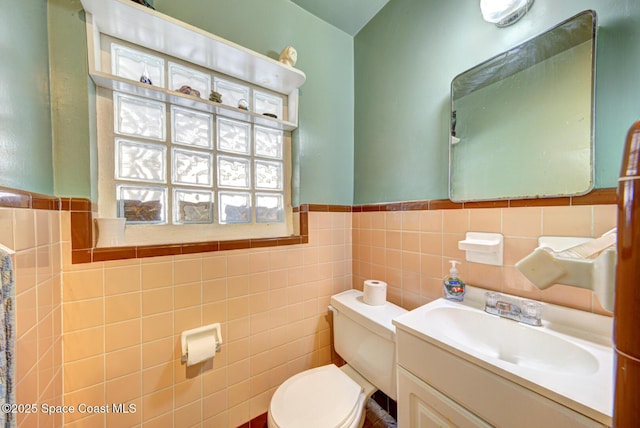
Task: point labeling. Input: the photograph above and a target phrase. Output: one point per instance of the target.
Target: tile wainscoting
(123, 320)
(35, 236)
(410, 250)
(120, 320)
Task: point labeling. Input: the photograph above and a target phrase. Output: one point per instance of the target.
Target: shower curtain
(7, 340)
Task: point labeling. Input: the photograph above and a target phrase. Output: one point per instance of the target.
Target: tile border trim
(81, 209)
(595, 197)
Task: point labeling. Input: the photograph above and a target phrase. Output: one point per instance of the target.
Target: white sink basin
(568, 359)
(509, 341)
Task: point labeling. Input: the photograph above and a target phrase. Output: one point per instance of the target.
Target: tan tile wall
(35, 235)
(122, 324)
(410, 250)
(122, 320)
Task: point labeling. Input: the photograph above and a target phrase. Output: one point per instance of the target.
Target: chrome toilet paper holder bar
(212, 330)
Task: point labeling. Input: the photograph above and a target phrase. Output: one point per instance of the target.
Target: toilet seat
(317, 398)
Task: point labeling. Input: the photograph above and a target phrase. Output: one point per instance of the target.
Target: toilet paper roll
(200, 349)
(375, 292)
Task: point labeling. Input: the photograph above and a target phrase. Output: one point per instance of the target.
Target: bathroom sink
(509, 341)
(568, 359)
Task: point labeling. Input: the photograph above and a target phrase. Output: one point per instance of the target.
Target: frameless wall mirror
(522, 122)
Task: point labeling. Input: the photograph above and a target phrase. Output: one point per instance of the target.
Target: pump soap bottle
(454, 287)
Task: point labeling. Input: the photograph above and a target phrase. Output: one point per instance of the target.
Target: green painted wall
(399, 67)
(406, 57)
(323, 144)
(72, 91)
(25, 116)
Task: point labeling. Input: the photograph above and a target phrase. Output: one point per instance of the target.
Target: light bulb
(504, 12)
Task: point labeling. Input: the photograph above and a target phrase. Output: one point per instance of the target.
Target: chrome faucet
(529, 311)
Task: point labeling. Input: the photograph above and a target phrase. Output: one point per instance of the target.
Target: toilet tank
(364, 337)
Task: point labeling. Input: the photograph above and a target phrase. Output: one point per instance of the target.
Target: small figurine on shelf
(188, 90)
(243, 104)
(288, 56)
(216, 97)
(145, 76)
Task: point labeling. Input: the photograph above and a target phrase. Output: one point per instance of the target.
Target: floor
(257, 422)
(377, 417)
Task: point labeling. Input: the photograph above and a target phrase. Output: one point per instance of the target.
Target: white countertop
(589, 392)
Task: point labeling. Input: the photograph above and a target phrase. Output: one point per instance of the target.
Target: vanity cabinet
(437, 388)
(422, 406)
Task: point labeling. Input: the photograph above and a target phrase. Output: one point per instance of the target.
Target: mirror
(522, 122)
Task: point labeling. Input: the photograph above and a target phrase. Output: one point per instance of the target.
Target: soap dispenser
(454, 287)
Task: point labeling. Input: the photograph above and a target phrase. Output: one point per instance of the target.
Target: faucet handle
(532, 310)
(491, 299)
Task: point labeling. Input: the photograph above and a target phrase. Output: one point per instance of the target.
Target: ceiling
(348, 15)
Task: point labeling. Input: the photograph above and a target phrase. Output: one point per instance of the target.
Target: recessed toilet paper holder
(212, 330)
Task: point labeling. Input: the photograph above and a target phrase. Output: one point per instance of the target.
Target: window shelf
(129, 21)
(132, 87)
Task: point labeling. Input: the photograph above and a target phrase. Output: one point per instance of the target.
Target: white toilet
(328, 396)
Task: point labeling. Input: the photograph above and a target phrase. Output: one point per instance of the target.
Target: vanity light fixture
(504, 12)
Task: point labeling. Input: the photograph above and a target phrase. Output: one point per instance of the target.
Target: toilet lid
(317, 398)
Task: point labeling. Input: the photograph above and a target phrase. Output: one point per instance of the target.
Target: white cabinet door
(421, 406)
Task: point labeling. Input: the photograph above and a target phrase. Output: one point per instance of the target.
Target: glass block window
(268, 142)
(235, 207)
(140, 161)
(132, 64)
(192, 206)
(142, 204)
(180, 76)
(139, 117)
(265, 103)
(231, 92)
(269, 208)
(179, 161)
(233, 136)
(191, 128)
(268, 175)
(234, 172)
(191, 167)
